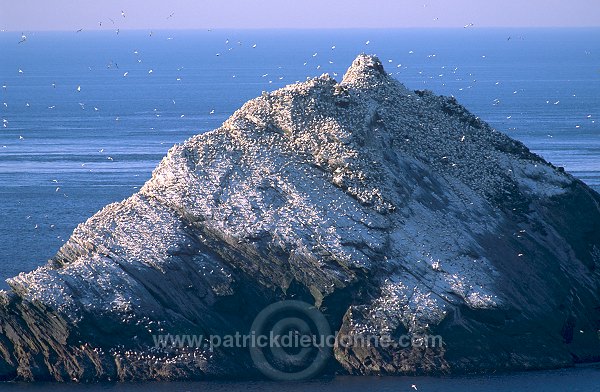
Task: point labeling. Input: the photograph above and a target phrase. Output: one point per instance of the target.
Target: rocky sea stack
(392, 211)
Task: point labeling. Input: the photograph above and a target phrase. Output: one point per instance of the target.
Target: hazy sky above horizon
(31, 15)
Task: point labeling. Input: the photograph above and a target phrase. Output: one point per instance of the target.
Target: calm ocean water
(87, 116)
(579, 379)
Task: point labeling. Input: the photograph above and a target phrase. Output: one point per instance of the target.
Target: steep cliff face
(393, 211)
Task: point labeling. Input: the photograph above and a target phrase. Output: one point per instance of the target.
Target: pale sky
(34, 15)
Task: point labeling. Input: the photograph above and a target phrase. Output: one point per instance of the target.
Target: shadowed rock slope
(393, 211)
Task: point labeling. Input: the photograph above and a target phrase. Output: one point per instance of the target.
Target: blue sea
(86, 116)
(578, 379)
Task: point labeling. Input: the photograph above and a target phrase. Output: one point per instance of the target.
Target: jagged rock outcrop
(393, 211)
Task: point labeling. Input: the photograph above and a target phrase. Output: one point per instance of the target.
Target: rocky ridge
(393, 211)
